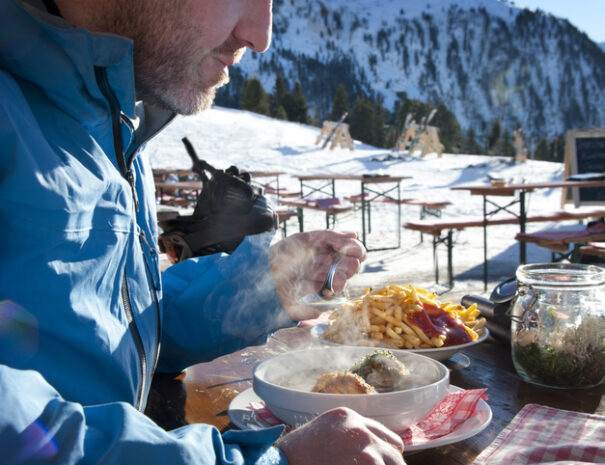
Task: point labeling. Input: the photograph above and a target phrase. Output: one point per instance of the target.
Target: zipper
(137, 340)
(155, 285)
(116, 125)
(115, 114)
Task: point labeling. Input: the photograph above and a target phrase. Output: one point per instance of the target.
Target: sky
(586, 15)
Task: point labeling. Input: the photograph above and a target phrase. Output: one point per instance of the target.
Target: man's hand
(342, 436)
(300, 263)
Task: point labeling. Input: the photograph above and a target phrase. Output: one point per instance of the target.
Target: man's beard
(167, 61)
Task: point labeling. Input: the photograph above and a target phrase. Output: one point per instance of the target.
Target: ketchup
(435, 321)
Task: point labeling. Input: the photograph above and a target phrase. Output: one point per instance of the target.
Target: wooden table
(204, 391)
(510, 190)
(369, 185)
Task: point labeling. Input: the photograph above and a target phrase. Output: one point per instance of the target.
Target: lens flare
(18, 334)
(36, 442)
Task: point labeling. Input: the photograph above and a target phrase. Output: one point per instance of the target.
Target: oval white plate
(438, 353)
(243, 417)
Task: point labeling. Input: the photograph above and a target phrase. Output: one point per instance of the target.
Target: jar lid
(561, 275)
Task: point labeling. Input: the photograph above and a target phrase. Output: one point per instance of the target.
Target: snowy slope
(485, 59)
(224, 137)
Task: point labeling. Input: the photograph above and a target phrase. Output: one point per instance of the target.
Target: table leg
(363, 215)
(522, 220)
(485, 270)
(299, 211)
(399, 228)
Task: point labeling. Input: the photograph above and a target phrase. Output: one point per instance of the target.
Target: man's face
(182, 48)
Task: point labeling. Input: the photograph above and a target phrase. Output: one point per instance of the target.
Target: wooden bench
(280, 192)
(427, 207)
(435, 228)
(331, 206)
(283, 215)
(595, 249)
(565, 244)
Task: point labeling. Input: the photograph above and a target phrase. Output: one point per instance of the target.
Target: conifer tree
(542, 150)
(470, 143)
(299, 111)
(378, 130)
(450, 133)
(361, 121)
(493, 136)
(280, 90)
(254, 97)
(340, 103)
(505, 145)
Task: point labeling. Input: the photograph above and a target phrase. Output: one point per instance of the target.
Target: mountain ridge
(485, 60)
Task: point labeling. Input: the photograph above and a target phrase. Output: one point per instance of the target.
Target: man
(83, 307)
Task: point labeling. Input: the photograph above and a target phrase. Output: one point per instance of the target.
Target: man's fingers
(387, 436)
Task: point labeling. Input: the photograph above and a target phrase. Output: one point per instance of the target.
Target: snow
(225, 137)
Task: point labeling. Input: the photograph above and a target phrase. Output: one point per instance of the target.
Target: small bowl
(284, 383)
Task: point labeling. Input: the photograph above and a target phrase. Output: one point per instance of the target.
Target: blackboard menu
(590, 158)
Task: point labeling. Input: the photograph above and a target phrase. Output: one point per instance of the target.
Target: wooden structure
(203, 392)
(520, 146)
(336, 132)
(428, 140)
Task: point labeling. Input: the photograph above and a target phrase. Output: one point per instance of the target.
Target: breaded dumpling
(338, 382)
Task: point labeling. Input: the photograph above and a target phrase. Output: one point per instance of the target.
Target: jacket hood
(45, 50)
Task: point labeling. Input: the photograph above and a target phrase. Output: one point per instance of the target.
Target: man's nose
(254, 27)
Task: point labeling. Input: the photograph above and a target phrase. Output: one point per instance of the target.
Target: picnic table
(372, 187)
(518, 191)
(203, 392)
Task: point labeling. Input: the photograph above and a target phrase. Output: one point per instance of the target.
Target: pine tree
(542, 150)
(340, 103)
(254, 97)
(450, 132)
(470, 143)
(280, 90)
(492, 137)
(361, 121)
(280, 113)
(300, 112)
(505, 146)
(378, 130)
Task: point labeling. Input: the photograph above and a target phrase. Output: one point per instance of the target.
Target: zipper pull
(130, 178)
(143, 241)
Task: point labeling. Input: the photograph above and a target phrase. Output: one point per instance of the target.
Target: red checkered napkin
(451, 412)
(545, 435)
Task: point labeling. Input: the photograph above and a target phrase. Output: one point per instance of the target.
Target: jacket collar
(47, 51)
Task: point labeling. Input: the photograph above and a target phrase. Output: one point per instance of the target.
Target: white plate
(243, 417)
(440, 353)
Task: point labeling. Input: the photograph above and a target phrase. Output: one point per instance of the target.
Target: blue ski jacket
(83, 306)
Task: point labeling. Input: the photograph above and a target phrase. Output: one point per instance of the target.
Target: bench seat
(436, 228)
(332, 206)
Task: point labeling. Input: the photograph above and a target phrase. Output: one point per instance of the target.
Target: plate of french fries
(404, 317)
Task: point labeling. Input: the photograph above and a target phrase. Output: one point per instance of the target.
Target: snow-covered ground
(225, 137)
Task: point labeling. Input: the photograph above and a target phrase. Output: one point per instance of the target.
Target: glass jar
(558, 325)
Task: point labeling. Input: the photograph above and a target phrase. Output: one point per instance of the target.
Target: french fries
(403, 317)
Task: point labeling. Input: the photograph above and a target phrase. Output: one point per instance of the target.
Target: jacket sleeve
(218, 304)
(37, 426)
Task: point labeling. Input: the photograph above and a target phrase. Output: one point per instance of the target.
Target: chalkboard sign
(585, 156)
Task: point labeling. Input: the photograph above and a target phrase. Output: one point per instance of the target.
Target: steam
(300, 370)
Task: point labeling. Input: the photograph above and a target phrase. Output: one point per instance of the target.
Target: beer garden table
(203, 392)
(511, 190)
(325, 184)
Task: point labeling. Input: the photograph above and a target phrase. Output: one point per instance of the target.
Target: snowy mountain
(484, 59)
